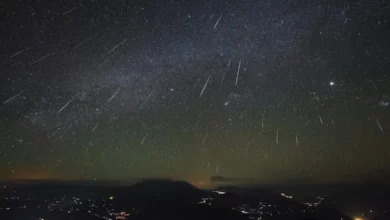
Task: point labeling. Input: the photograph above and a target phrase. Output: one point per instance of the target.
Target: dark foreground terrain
(152, 199)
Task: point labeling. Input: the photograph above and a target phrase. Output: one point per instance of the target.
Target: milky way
(266, 91)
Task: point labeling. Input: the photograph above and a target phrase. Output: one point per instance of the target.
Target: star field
(266, 91)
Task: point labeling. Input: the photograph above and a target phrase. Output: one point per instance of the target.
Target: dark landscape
(167, 199)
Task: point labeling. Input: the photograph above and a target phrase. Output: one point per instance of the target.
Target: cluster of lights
(266, 209)
(314, 204)
(204, 200)
(121, 215)
(103, 210)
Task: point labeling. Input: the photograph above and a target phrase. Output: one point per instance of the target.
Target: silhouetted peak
(163, 185)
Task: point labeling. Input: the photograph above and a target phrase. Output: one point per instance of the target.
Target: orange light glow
(34, 173)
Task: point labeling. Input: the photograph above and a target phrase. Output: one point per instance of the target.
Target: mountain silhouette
(161, 190)
(164, 186)
(168, 199)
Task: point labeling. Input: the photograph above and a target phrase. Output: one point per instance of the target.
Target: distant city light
(203, 201)
(331, 83)
(111, 197)
(286, 196)
(358, 218)
(220, 192)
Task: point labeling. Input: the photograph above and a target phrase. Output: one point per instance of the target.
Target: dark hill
(156, 191)
(163, 186)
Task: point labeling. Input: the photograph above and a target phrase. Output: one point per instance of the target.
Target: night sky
(252, 91)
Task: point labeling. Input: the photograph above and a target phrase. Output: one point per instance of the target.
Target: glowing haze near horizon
(255, 91)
